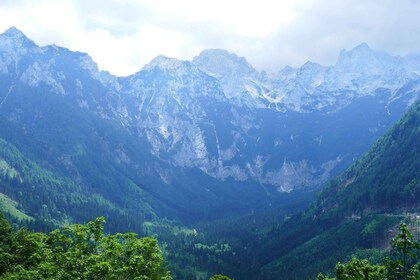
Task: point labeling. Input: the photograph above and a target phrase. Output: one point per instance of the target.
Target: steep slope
(58, 112)
(387, 177)
(354, 210)
(40, 199)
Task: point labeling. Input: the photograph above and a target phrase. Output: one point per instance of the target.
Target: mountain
(356, 214)
(252, 107)
(202, 139)
(357, 73)
(241, 83)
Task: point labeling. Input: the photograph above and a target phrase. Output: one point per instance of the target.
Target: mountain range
(191, 140)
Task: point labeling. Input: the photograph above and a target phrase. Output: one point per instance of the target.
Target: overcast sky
(123, 35)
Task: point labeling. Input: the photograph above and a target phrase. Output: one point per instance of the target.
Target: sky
(123, 35)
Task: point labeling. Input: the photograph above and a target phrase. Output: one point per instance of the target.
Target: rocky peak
(364, 60)
(13, 40)
(165, 63)
(222, 64)
(362, 51)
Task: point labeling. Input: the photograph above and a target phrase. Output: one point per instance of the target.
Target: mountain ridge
(244, 141)
(257, 83)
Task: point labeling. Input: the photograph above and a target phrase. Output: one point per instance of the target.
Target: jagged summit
(220, 54)
(363, 58)
(213, 54)
(362, 47)
(14, 38)
(164, 62)
(221, 63)
(13, 31)
(360, 53)
(358, 71)
(311, 66)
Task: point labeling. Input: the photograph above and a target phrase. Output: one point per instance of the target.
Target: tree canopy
(79, 252)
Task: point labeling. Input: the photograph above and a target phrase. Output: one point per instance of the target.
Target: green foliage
(313, 248)
(220, 277)
(79, 252)
(359, 269)
(10, 206)
(406, 251)
(384, 179)
(6, 257)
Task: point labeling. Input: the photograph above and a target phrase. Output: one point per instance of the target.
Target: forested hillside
(355, 210)
(41, 200)
(387, 178)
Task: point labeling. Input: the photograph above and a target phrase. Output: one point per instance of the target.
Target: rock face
(217, 116)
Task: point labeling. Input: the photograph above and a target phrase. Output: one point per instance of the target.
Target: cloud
(122, 36)
(327, 26)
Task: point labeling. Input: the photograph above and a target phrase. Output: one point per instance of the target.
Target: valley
(233, 170)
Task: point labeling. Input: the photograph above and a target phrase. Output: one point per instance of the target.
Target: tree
(79, 252)
(6, 256)
(405, 254)
(220, 277)
(357, 270)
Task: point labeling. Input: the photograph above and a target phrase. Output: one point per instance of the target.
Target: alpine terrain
(215, 158)
(189, 140)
